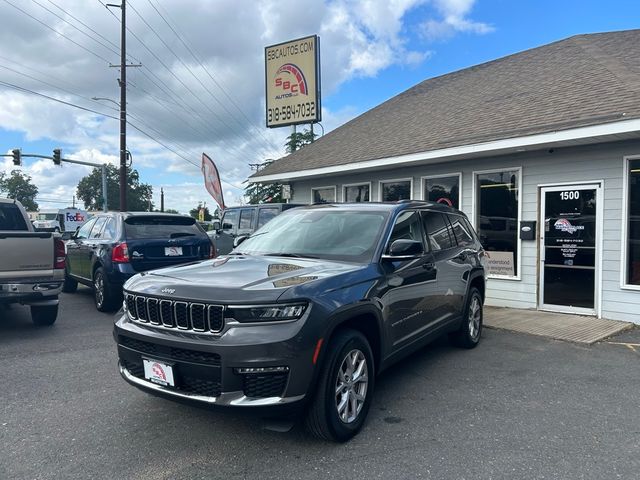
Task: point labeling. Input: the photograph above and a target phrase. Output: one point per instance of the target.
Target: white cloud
(359, 38)
(454, 20)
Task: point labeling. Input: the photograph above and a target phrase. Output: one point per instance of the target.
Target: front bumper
(207, 368)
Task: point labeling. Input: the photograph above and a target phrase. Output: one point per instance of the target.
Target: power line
(91, 29)
(168, 47)
(173, 74)
(201, 63)
(73, 26)
(57, 32)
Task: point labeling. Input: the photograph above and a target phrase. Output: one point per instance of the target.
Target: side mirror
(239, 239)
(67, 235)
(404, 249)
(215, 225)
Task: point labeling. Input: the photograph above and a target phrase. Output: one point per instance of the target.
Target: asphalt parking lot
(516, 407)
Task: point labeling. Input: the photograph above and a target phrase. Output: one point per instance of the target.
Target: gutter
(463, 151)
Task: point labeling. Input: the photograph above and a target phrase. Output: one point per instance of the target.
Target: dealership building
(541, 149)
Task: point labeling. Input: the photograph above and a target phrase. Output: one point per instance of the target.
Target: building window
(632, 266)
(357, 193)
(323, 195)
(497, 202)
(443, 189)
(393, 190)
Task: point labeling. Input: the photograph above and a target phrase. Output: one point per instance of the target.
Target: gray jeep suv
(307, 311)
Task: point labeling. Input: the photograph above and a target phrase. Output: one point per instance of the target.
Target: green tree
(297, 140)
(18, 185)
(138, 194)
(170, 210)
(195, 213)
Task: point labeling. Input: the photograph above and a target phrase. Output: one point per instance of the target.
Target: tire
(325, 418)
(44, 316)
(103, 295)
(70, 285)
(468, 336)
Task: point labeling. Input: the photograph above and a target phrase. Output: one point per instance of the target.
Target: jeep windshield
(333, 234)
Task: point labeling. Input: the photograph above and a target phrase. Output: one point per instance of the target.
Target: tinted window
(356, 193)
(497, 201)
(461, 230)
(85, 229)
(444, 190)
(438, 231)
(230, 220)
(246, 219)
(633, 225)
(266, 214)
(324, 195)
(393, 191)
(11, 217)
(407, 227)
(161, 227)
(110, 229)
(97, 227)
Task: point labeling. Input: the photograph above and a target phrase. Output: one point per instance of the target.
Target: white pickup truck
(31, 264)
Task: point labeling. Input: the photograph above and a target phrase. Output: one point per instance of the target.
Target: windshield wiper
(290, 255)
(182, 234)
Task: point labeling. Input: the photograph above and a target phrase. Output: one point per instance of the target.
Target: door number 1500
(572, 195)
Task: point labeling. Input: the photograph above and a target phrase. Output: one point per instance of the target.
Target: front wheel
(468, 336)
(44, 315)
(345, 388)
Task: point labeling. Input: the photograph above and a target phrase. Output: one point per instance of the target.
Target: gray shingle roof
(581, 81)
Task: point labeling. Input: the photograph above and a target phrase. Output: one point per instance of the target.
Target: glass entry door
(569, 253)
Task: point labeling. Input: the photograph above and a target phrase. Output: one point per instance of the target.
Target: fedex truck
(63, 220)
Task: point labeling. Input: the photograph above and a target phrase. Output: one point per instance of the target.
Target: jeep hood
(237, 278)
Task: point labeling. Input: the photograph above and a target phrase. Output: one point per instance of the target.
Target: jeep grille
(178, 314)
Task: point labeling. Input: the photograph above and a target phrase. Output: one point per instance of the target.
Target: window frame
(252, 213)
(475, 210)
(392, 180)
(624, 244)
(335, 193)
(98, 235)
(426, 248)
(262, 209)
(346, 185)
(423, 184)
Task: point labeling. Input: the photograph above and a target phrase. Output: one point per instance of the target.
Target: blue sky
(371, 51)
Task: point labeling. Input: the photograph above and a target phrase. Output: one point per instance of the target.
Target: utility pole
(123, 104)
(161, 199)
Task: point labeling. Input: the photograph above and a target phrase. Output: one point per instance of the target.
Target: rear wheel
(44, 315)
(104, 296)
(468, 336)
(345, 388)
(70, 285)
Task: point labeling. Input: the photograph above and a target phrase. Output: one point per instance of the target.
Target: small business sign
(292, 82)
(500, 263)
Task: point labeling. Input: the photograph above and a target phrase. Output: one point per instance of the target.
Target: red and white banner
(212, 180)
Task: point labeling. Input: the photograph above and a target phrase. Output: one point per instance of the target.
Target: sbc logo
(291, 80)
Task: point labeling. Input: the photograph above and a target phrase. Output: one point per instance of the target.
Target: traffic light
(57, 156)
(17, 157)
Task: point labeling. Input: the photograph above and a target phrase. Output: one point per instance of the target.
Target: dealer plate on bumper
(158, 372)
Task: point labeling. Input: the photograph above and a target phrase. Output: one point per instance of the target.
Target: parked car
(307, 311)
(31, 264)
(112, 247)
(243, 221)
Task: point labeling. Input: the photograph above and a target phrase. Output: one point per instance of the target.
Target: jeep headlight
(267, 313)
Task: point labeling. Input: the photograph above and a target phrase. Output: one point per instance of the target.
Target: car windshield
(47, 216)
(333, 234)
(160, 227)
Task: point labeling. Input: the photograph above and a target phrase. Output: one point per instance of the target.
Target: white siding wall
(603, 162)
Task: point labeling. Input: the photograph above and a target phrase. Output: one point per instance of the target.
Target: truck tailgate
(25, 254)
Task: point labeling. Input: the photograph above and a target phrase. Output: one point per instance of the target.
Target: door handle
(429, 266)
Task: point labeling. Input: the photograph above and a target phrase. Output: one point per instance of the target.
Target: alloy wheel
(475, 317)
(98, 285)
(351, 386)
